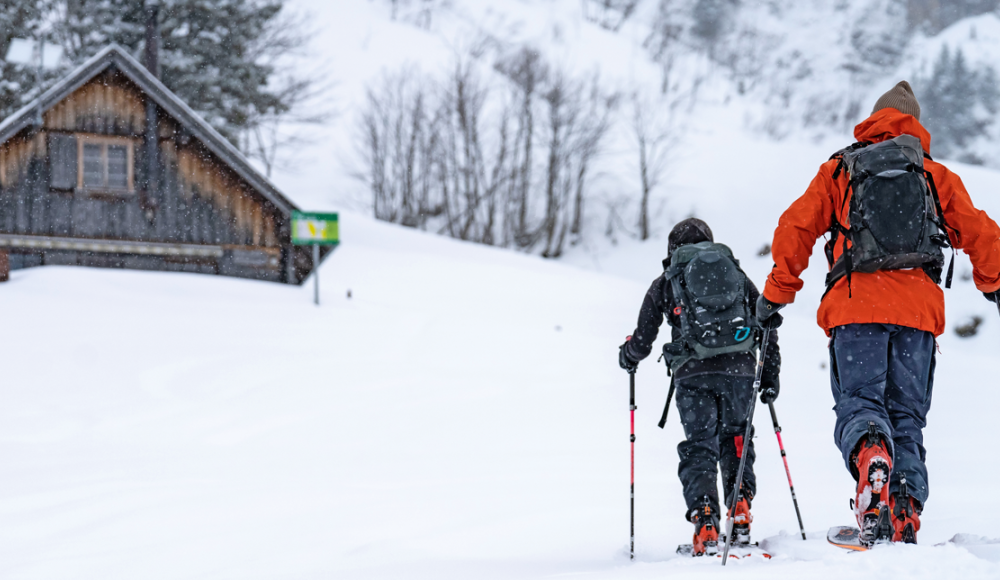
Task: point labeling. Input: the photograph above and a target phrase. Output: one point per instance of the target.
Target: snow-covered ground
(462, 415)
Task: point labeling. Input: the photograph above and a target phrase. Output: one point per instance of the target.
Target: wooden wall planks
(199, 200)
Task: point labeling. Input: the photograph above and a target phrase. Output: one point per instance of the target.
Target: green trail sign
(315, 229)
(309, 228)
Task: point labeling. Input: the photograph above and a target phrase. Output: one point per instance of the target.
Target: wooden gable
(85, 179)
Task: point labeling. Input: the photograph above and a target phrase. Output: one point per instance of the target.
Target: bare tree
(653, 144)
(421, 11)
(576, 125)
(609, 14)
(399, 143)
(459, 156)
(561, 112)
(526, 71)
(665, 37)
(271, 134)
(473, 157)
(657, 129)
(595, 123)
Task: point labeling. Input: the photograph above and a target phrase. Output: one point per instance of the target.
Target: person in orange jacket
(890, 209)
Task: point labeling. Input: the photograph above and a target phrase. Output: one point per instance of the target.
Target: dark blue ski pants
(884, 374)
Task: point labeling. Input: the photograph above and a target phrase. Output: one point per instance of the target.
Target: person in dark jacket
(712, 396)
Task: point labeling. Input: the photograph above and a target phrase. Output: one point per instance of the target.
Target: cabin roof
(114, 56)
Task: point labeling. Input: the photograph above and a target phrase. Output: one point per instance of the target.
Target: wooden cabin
(109, 168)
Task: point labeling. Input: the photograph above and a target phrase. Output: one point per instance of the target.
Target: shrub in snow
(969, 328)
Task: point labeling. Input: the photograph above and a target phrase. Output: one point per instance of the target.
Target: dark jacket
(660, 302)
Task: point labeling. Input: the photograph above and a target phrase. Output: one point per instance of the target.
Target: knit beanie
(901, 98)
(689, 231)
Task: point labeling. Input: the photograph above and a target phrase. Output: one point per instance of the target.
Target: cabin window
(62, 161)
(106, 164)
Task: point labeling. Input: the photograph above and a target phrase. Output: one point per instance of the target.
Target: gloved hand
(769, 391)
(767, 313)
(624, 361)
(992, 296)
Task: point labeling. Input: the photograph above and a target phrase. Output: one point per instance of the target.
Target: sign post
(315, 229)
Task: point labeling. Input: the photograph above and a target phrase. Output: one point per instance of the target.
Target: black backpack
(895, 213)
(713, 304)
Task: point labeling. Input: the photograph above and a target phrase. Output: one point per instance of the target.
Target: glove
(769, 392)
(767, 313)
(992, 296)
(624, 361)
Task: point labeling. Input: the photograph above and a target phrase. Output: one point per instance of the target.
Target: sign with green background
(310, 228)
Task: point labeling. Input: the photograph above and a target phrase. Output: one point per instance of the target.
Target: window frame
(104, 141)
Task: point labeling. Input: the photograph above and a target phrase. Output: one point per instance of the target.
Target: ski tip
(847, 537)
(746, 555)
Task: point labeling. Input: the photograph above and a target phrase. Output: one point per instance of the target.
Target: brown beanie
(901, 98)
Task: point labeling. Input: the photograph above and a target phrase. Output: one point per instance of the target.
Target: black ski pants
(713, 410)
(884, 374)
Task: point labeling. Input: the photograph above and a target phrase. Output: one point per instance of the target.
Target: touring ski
(847, 537)
(736, 551)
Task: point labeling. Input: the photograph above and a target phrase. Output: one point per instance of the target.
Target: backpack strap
(677, 286)
(666, 408)
(845, 265)
(835, 232)
(943, 240)
(839, 156)
(674, 278)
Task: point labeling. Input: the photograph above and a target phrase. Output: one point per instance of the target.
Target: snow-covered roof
(116, 56)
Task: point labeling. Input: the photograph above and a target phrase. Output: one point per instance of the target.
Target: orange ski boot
(871, 506)
(741, 522)
(905, 515)
(706, 531)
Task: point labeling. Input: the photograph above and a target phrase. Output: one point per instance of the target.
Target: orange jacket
(904, 297)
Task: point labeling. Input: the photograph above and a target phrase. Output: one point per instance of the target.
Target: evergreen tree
(217, 55)
(957, 104)
(19, 19)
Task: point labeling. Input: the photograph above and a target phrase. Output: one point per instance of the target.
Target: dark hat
(689, 231)
(901, 98)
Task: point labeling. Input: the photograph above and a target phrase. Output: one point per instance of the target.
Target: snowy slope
(806, 70)
(461, 416)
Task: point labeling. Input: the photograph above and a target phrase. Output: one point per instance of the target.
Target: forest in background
(507, 144)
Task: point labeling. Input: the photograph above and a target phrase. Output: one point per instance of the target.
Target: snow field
(461, 416)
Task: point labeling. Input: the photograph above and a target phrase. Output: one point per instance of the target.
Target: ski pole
(666, 409)
(746, 447)
(795, 502)
(631, 409)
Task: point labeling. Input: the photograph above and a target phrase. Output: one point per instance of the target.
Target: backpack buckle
(941, 240)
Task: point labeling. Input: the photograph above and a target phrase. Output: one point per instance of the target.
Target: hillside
(454, 410)
(460, 416)
(798, 73)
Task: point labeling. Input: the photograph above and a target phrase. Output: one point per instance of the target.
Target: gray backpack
(713, 303)
(895, 214)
